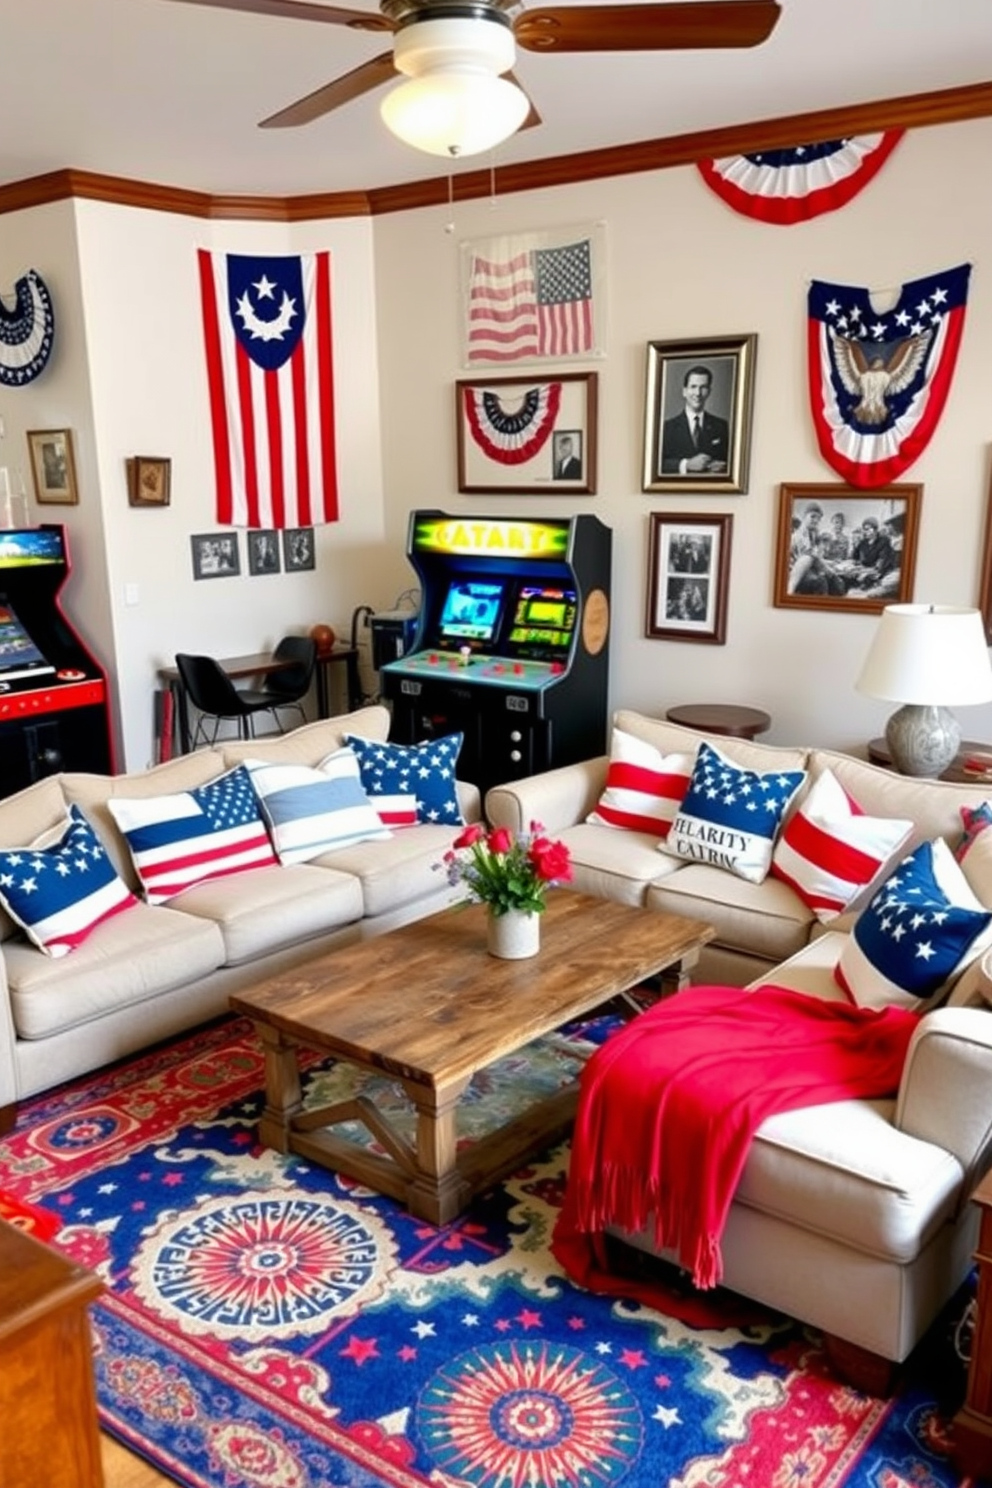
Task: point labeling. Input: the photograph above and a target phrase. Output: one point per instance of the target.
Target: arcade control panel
(497, 671)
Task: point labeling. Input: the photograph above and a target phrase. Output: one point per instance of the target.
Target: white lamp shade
(933, 655)
(455, 113)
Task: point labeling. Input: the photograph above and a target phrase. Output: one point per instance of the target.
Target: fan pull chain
(449, 226)
(492, 183)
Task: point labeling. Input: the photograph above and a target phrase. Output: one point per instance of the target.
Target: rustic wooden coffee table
(427, 1005)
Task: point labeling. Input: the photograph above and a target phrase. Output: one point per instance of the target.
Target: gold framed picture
(149, 481)
(53, 467)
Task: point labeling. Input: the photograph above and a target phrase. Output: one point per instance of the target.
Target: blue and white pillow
(730, 816)
(920, 929)
(310, 812)
(62, 887)
(409, 783)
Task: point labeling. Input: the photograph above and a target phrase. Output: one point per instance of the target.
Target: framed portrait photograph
(53, 467)
(263, 551)
(298, 551)
(149, 481)
(842, 548)
(697, 414)
(688, 577)
(216, 555)
(533, 435)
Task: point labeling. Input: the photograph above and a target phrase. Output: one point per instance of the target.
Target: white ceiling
(172, 93)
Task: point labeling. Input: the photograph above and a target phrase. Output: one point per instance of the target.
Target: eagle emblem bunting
(878, 379)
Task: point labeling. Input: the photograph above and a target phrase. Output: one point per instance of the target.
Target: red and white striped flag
(267, 330)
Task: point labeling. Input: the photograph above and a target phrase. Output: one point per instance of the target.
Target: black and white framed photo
(263, 551)
(688, 577)
(298, 553)
(215, 555)
(697, 414)
(844, 548)
(527, 435)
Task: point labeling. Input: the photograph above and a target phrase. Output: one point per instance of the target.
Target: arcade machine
(511, 642)
(54, 709)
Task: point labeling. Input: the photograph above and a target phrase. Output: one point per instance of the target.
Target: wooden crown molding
(914, 111)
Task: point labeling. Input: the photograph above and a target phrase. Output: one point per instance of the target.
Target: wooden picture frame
(879, 530)
(714, 378)
(515, 434)
(216, 555)
(263, 551)
(688, 577)
(985, 582)
(149, 481)
(53, 467)
(299, 553)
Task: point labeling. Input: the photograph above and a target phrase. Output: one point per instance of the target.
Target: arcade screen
(471, 611)
(31, 547)
(544, 617)
(19, 656)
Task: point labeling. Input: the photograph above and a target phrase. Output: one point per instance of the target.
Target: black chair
(215, 696)
(288, 687)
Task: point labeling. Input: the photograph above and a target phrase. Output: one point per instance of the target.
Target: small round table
(721, 718)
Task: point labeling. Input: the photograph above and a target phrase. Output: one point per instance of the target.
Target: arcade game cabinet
(54, 709)
(511, 643)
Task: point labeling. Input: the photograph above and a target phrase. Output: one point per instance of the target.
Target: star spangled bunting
(267, 332)
(27, 331)
(534, 297)
(878, 379)
(788, 186)
(512, 436)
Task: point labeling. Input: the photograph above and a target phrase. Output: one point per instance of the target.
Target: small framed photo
(53, 467)
(216, 555)
(298, 551)
(844, 548)
(263, 551)
(688, 577)
(532, 435)
(149, 481)
(697, 414)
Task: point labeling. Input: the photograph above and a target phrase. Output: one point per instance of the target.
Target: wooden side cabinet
(972, 1427)
(47, 1393)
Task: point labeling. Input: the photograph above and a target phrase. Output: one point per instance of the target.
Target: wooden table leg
(439, 1192)
(283, 1097)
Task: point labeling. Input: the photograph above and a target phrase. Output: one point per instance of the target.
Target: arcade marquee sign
(492, 537)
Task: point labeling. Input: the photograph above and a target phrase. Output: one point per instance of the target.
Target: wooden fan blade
(533, 117)
(300, 10)
(332, 95)
(646, 28)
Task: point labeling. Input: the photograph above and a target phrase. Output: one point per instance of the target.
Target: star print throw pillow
(919, 930)
(410, 783)
(180, 840)
(62, 887)
(729, 816)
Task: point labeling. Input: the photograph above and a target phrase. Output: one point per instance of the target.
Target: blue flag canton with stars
(228, 802)
(425, 772)
(743, 800)
(52, 877)
(563, 274)
(266, 306)
(912, 931)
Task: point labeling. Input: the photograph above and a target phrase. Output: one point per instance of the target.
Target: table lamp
(926, 657)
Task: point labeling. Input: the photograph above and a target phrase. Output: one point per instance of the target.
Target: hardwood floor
(122, 1469)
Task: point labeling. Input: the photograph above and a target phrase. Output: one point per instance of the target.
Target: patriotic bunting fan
(787, 186)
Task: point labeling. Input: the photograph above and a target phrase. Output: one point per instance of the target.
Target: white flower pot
(513, 936)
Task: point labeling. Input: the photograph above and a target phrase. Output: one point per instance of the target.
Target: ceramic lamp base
(513, 936)
(922, 740)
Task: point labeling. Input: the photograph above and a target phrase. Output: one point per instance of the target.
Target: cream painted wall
(682, 264)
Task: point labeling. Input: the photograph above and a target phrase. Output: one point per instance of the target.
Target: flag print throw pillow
(62, 887)
(410, 783)
(644, 788)
(180, 840)
(310, 812)
(829, 850)
(730, 815)
(974, 820)
(921, 927)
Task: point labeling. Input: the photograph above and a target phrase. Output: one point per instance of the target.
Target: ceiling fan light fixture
(455, 113)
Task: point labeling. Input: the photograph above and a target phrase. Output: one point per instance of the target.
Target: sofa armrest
(556, 798)
(945, 1095)
(8, 1068)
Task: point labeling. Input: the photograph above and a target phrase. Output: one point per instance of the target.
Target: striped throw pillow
(311, 812)
(644, 788)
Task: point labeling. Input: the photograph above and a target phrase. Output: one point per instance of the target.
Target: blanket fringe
(622, 1197)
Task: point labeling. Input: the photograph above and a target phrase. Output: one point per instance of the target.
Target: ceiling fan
(469, 48)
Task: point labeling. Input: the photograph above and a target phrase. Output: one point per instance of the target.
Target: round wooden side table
(721, 718)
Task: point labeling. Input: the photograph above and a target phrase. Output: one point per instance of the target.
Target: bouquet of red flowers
(508, 872)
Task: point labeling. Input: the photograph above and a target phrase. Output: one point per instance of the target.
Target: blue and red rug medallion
(269, 1324)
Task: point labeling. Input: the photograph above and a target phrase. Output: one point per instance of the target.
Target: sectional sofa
(157, 969)
(853, 1216)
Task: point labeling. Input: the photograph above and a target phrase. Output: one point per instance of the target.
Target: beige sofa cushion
(266, 909)
(396, 873)
(671, 738)
(126, 960)
(23, 818)
(616, 865)
(767, 919)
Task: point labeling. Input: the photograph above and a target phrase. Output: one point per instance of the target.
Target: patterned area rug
(271, 1325)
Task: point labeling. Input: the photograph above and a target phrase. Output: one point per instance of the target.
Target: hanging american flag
(267, 329)
(878, 379)
(533, 297)
(787, 186)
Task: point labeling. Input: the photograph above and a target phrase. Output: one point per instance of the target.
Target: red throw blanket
(668, 1107)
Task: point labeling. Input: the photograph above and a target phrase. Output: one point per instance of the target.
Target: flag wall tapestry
(787, 186)
(534, 296)
(267, 331)
(878, 380)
